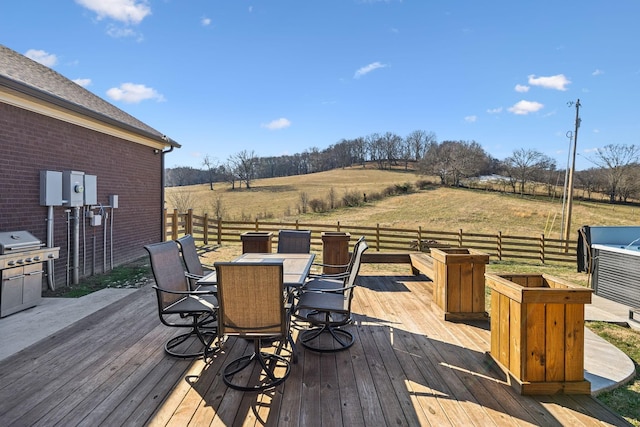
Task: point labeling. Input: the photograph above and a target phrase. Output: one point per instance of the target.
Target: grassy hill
(434, 208)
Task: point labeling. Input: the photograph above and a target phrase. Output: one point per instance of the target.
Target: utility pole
(567, 224)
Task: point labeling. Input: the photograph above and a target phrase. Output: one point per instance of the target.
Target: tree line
(615, 173)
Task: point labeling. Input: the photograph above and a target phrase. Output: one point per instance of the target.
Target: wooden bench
(422, 263)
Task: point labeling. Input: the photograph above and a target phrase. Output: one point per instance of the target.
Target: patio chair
(252, 306)
(294, 241)
(181, 307)
(196, 270)
(326, 305)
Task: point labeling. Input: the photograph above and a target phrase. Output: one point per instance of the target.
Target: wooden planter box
(256, 242)
(335, 250)
(459, 282)
(537, 332)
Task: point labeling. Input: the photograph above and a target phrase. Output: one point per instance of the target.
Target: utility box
(90, 190)
(73, 188)
(50, 188)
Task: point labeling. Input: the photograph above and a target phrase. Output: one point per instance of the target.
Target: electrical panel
(90, 190)
(113, 201)
(50, 188)
(73, 188)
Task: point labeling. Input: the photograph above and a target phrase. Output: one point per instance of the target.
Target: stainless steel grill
(21, 270)
(18, 241)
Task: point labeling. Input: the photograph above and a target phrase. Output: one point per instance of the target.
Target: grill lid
(16, 241)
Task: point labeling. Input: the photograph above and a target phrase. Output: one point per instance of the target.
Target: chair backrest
(168, 271)
(356, 247)
(251, 299)
(294, 241)
(190, 255)
(358, 250)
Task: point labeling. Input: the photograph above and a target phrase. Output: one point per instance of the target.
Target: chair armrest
(329, 275)
(168, 291)
(193, 276)
(320, 264)
(326, 291)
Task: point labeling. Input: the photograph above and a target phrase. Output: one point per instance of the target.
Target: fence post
(205, 228)
(460, 238)
(297, 225)
(338, 227)
(420, 238)
(542, 248)
(189, 222)
(219, 231)
(499, 245)
(174, 225)
(378, 237)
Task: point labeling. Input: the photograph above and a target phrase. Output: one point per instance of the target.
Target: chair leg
(344, 338)
(268, 362)
(204, 331)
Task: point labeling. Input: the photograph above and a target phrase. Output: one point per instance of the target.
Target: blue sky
(281, 76)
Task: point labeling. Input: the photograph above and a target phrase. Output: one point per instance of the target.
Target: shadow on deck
(407, 367)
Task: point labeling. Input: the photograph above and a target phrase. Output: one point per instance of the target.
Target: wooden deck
(407, 367)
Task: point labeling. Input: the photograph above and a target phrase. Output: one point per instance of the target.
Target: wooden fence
(501, 247)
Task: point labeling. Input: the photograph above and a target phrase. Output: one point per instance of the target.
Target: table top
(296, 267)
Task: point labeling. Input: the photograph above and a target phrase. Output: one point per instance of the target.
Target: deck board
(406, 367)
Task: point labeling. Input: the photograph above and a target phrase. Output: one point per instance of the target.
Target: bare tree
(374, 148)
(418, 141)
(524, 164)
(244, 165)
(437, 161)
(360, 150)
(304, 202)
(182, 200)
(616, 161)
(218, 206)
(468, 159)
(211, 165)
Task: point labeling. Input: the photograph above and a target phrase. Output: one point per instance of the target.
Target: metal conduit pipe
(50, 266)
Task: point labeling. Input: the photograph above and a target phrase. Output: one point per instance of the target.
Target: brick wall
(30, 142)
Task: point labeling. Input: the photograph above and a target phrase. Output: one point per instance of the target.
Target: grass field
(435, 208)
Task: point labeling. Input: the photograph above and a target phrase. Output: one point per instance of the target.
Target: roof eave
(59, 102)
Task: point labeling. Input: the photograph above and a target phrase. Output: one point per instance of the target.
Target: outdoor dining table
(296, 267)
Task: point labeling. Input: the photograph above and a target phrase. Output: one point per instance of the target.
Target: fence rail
(499, 246)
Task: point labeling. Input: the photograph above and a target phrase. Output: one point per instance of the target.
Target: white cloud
(597, 72)
(495, 110)
(522, 88)
(127, 11)
(131, 93)
(471, 119)
(45, 58)
(82, 82)
(367, 69)
(278, 124)
(558, 82)
(522, 108)
(120, 32)
(205, 22)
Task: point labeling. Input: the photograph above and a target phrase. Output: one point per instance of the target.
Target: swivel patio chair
(252, 307)
(181, 307)
(196, 270)
(294, 241)
(326, 305)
